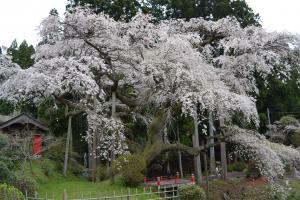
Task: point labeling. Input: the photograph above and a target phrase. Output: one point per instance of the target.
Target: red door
(37, 145)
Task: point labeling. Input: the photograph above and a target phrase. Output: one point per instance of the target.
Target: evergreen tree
(53, 12)
(167, 9)
(118, 9)
(22, 55)
(12, 50)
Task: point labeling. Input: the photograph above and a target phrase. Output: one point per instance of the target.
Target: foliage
(54, 117)
(191, 192)
(22, 55)
(271, 159)
(161, 9)
(11, 157)
(285, 131)
(5, 172)
(295, 139)
(8, 192)
(132, 169)
(48, 167)
(57, 154)
(237, 167)
(25, 184)
(239, 189)
(252, 170)
(288, 120)
(101, 173)
(209, 64)
(279, 93)
(6, 107)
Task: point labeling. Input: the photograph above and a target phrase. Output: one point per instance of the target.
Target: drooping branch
(158, 148)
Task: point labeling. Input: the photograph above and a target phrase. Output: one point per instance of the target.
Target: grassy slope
(54, 184)
(295, 193)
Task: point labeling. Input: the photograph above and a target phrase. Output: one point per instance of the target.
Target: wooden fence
(151, 193)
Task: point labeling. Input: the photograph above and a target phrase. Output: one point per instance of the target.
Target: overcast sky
(20, 18)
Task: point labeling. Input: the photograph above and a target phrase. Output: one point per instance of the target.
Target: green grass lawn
(54, 184)
(77, 188)
(295, 193)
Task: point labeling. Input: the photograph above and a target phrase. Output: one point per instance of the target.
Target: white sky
(278, 15)
(20, 18)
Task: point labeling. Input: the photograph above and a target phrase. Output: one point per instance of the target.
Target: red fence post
(177, 178)
(145, 179)
(158, 182)
(193, 179)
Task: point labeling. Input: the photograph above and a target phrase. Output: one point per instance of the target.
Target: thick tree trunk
(155, 145)
(197, 159)
(212, 158)
(67, 145)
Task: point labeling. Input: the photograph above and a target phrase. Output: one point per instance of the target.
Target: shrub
(191, 192)
(132, 168)
(48, 167)
(295, 139)
(25, 183)
(289, 120)
(8, 192)
(252, 171)
(237, 167)
(5, 173)
(101, 173)
(57, 153)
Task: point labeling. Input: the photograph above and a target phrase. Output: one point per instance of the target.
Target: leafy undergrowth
(40, 169)
(246, 189)
(295, 193)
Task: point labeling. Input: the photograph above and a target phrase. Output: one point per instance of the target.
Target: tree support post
(69, 133)
(212, 158)
(197, 159)
(223, 154)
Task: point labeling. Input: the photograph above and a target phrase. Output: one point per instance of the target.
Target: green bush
(48, 167)
(289, 120)
(8, 192)
(101, 173)
(237, 167)
(5, 173)
(25, 184)
(295, 139)
(132, 169)
(191, 192)
(57, 154)
(252, 171)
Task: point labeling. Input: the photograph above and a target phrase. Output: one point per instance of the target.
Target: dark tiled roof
(23, 118)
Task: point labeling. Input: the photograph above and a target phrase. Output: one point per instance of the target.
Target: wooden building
(25, 124)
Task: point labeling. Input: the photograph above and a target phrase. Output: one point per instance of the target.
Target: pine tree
(22, 55)
(179, 9)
